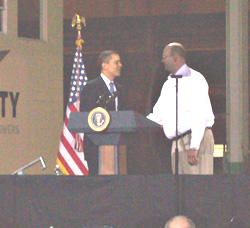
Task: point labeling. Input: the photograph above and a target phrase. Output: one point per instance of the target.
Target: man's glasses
(165, 56)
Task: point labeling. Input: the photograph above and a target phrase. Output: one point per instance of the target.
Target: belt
(182, 135)
(187, 133)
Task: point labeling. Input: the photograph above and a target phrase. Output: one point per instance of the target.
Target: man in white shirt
(195, 114)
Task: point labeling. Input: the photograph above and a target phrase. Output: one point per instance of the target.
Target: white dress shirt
(107, 82)
(194, 107)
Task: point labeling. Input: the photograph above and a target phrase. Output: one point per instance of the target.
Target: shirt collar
(184, 71)
(105, 79)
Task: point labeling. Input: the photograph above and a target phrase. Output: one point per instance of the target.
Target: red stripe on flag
(66, 121)
(73, 108)
(73, 155)
(65, 164)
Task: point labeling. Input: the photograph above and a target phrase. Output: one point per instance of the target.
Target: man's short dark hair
(105, 56)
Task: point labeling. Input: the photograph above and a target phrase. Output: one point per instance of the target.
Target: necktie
(112, 101)
(111, 84)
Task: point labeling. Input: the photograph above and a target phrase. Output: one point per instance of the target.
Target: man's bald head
(180, 222)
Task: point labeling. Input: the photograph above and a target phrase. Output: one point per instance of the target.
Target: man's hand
(192, 156)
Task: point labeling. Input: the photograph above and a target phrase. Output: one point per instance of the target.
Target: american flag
(70, 158)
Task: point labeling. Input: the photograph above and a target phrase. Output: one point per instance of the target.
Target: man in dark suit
(102, 92)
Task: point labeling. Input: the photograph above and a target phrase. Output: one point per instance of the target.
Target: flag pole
(77, 22)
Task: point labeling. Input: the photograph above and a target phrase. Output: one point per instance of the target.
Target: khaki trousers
(205, 155)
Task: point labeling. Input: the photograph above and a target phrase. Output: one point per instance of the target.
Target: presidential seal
(98, 119)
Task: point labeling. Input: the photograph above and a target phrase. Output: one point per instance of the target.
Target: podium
(111, 142)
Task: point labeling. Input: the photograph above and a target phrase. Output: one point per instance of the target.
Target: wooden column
(237, 83)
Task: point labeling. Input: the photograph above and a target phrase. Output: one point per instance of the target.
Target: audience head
(180, 221)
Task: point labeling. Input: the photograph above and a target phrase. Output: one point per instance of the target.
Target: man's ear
(104, 66)
(175, 57)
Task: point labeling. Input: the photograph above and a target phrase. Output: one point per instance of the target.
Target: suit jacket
(96, 88)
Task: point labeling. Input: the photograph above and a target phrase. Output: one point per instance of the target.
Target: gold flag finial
(77, 20)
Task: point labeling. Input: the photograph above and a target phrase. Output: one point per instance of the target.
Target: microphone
(112, 97)
(43, 163)
(101, 98)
